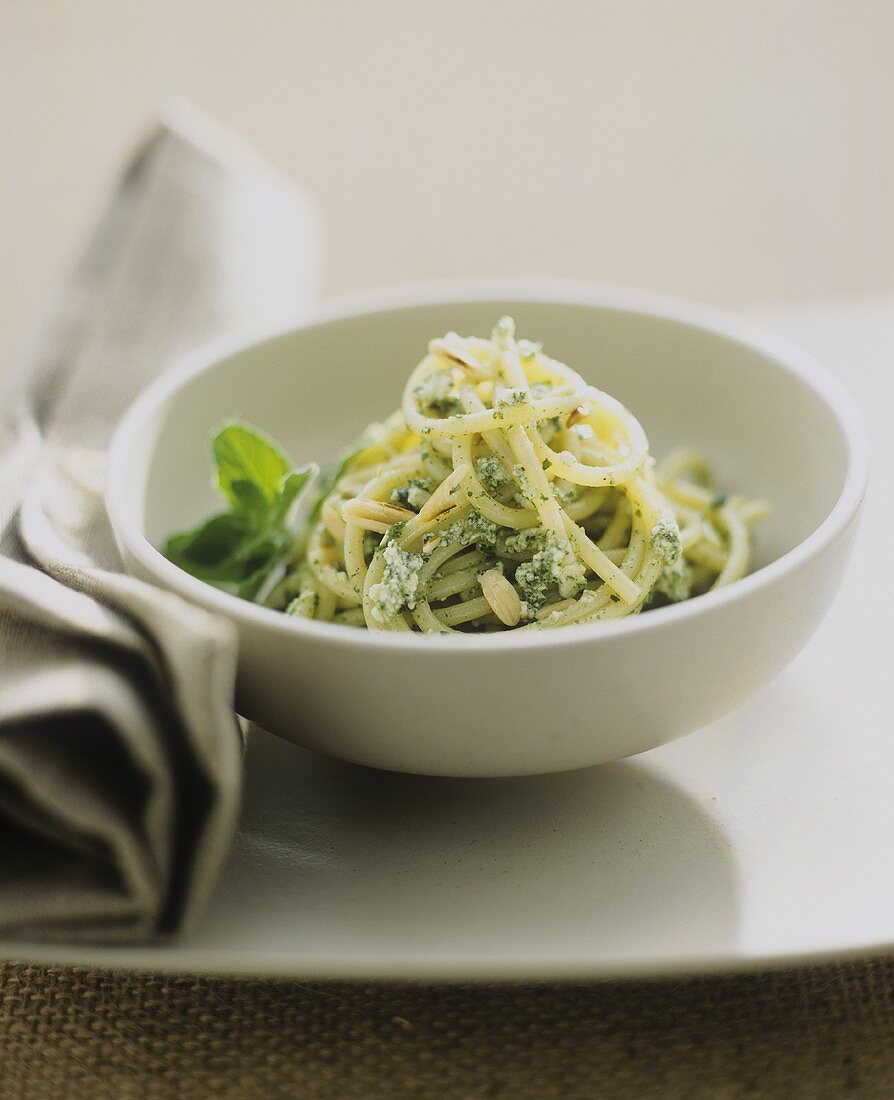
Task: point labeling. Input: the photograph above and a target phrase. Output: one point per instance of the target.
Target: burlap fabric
(818, 1032)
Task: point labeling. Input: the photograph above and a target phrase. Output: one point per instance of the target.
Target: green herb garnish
(238, 549)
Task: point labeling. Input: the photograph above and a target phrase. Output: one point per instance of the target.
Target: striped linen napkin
(120, 755)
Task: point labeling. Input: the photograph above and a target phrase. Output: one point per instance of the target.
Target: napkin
(120, 754)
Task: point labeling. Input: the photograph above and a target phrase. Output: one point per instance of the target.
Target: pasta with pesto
(507, 493)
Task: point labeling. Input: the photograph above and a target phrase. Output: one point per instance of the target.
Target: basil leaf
(260, 560)
(243, 454)
(211, 550)
(249, 588)
(239, 549)
(291, 486)
(247, 497)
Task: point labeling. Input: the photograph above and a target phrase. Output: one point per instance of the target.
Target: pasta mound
(507, 493)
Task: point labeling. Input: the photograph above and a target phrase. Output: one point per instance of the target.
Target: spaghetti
(508, 494)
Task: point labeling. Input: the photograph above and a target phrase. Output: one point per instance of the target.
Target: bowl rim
(785, 354)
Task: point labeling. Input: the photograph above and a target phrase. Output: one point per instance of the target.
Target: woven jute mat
(819, 1032)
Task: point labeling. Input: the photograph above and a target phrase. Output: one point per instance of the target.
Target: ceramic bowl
(771, 420)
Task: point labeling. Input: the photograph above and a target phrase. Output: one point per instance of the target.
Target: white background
(728, 150)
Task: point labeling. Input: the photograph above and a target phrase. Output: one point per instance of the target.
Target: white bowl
(771, 420)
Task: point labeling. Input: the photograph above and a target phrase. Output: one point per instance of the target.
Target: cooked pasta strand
(504, 464)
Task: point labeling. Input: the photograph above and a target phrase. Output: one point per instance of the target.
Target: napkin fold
(120, 754)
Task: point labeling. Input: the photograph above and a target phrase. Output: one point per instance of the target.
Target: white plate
(764, 838)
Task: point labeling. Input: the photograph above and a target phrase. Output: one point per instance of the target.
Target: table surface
(91, 1035)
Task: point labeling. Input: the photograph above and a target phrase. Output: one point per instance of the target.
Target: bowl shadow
(604, 863)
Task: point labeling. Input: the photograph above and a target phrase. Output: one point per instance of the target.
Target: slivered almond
(577, 415)
(501, 596)
(560, 605)
(453, 347)
(440, 501)
(374, 515)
